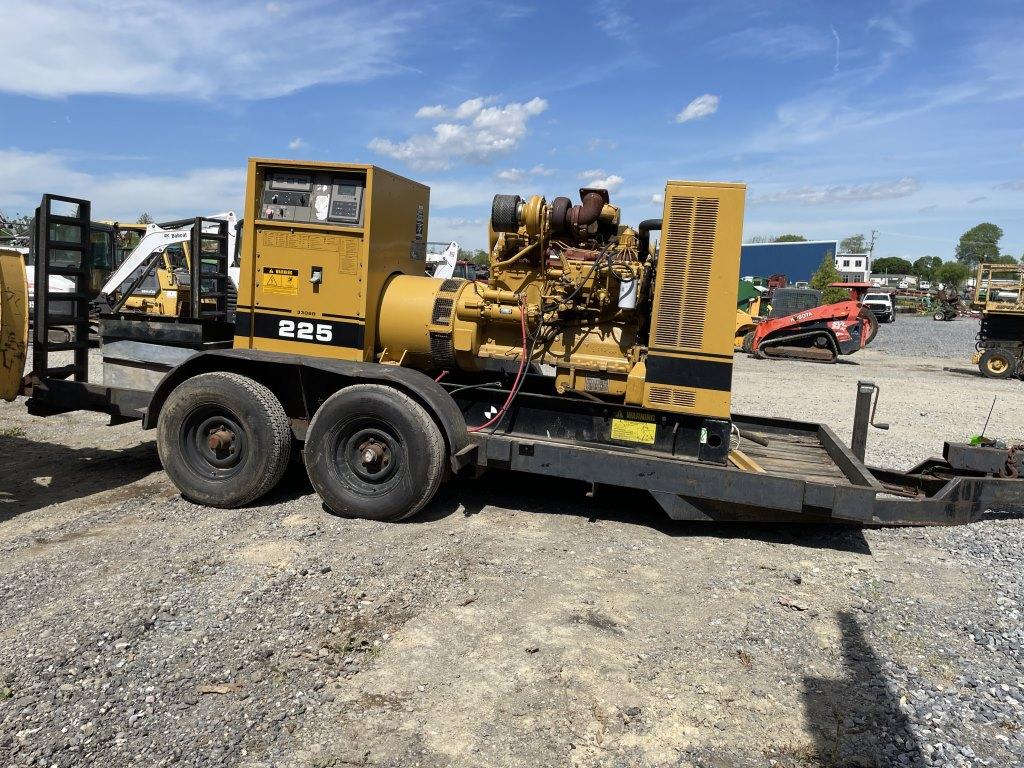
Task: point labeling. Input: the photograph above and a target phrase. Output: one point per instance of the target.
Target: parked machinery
(388, 380)
(947, 306)
(801, 328)
(570, 287)
(999, 295)
(14, 322)
(155, 276)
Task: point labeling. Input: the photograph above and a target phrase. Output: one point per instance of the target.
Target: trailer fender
(301, 383)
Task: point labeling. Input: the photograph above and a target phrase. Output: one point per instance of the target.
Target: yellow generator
(333, 266)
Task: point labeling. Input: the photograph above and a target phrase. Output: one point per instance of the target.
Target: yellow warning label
(633, 431)
(282, 281)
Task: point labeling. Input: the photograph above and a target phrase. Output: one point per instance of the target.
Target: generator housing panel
(314, 198)
(320, 240)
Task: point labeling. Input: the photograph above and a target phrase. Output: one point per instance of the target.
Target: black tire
(868, 315)
(997, 364)
(254, 437)
(939, 316)
(505, 213)
(374, 452)
(748, 342)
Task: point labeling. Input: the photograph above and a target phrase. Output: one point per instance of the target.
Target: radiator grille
(685, 272)
(451, 285)
(680, 398)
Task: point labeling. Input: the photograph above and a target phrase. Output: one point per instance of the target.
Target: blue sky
(842, 117)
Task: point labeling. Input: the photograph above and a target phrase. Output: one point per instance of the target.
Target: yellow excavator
(155, 278)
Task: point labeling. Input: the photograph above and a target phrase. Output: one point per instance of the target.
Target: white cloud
(25, 176)
(296, 143)
(431, 112)
(785, 42)
(897, 32)
(473, 132)
(595, 144)
(612, 19)
(700, 107)
(461, 193)
(465, 110)
(658, 198)
(468, 232)
(601, 180)
(195, 48)
(842, 193)
(516, 175)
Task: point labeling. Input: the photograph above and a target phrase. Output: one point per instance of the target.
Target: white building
(854, 267)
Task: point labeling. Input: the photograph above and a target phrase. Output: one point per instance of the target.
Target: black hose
(644, 236)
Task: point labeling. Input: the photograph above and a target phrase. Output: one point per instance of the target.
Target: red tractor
(800, 327)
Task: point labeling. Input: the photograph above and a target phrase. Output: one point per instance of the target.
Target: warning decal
(283, 281)
(633, 431)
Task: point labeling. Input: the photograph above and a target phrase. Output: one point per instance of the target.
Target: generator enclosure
(689, 362)
(313, 287)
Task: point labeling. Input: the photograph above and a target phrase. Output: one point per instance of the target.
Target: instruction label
(633, 431)
(281, 281)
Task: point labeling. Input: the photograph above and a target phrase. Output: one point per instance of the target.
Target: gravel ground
(914, 336)
(515, 622)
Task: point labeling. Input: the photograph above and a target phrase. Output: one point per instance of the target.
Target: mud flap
(13, 322)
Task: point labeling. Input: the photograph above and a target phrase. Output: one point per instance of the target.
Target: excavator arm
(156, 238)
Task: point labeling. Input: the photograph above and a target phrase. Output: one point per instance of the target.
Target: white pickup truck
(882, 306)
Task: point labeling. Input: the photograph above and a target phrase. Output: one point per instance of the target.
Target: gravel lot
(913, 336)
(516, 622)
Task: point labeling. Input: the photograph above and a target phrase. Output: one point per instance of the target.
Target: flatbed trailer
(782, 470)
(749, 468)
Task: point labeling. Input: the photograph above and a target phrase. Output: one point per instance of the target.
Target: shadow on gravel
(857, 720)
(36, 474)
(540, 495)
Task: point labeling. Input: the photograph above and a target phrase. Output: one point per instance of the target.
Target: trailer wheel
(997, 364)
(374, 452)
(223, 439)
(748, 342)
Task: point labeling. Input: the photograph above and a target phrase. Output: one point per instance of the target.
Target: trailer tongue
(228, 404)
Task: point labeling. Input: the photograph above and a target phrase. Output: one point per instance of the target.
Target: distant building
(895, 281)
(797, 261)
(854, 267)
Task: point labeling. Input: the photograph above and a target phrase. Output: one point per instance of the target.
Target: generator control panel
(321, 197)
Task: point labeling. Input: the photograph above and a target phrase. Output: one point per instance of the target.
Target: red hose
(519, 375)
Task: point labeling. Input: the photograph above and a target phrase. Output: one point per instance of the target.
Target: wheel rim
(213, 442)
(367, 455)
(998, 365)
